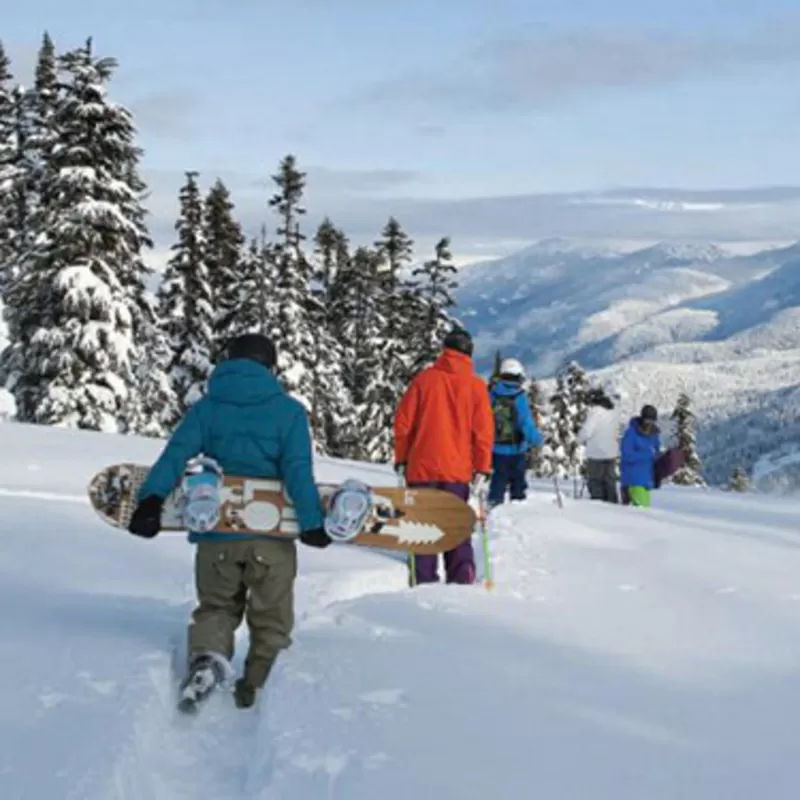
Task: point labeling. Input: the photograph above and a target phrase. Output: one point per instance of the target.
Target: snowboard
(668, 463)
(424, 521)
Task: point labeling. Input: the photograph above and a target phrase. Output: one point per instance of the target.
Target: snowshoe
(205, 673)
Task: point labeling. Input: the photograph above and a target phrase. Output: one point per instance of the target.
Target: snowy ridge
(673, 317)
(659, 645)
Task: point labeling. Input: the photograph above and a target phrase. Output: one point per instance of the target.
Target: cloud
(165, 112)
(483, 227)
(520, 74)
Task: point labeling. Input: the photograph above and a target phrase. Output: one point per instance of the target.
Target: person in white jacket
(600, 436)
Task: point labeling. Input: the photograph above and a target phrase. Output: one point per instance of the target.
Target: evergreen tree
(185, 302)
(358, 325)
(577, 386)
(396, 249)
(156, 412)
(559, 439)
(394, 296)
(495, 376)
(740, 481)
(224, 241)
(327, 243)
(683, 418)
(7, 149)
(76, 305)
(435, 291)
(538, 461)
(255, 304)
(292, 327)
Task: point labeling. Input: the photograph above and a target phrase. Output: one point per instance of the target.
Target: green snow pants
(237, 579)
(640, 496)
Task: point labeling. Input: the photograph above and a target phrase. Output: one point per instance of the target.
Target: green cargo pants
(234, 579)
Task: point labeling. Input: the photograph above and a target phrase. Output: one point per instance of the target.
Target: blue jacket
(531, 436)
(638, 456)
(252, 428)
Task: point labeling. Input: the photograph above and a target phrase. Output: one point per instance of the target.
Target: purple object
(459, 563)
(668, 463)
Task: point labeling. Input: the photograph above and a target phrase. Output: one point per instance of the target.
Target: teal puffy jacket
(252, 428)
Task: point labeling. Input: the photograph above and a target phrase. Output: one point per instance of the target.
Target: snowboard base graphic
(423, 521)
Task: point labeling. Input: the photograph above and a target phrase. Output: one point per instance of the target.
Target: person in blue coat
(639, 451)
(515, 433)
(249, 425)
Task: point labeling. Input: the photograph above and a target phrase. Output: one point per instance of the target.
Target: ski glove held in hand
(315, 538)
(146, 519)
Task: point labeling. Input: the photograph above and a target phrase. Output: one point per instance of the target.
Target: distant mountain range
(672, 317)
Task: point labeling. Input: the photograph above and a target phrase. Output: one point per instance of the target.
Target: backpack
(506, 428)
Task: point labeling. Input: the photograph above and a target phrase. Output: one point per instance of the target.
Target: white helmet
(512, 367)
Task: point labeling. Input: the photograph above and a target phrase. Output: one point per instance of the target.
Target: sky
(495, 122)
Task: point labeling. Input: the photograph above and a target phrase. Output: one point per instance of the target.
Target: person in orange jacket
(444, 434)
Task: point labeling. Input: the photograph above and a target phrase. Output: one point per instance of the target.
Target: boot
(244, 694)
(204, 674)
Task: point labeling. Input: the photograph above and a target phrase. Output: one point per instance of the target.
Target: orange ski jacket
(444, 427)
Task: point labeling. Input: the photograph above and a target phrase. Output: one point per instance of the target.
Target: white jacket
(600, 433)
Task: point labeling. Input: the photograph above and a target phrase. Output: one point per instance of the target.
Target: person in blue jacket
(515, 433)
(249, 425)
(639, 451)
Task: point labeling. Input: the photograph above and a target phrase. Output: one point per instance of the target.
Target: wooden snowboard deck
(425, 521)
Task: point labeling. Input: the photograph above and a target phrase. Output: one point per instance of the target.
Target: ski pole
(412, 561)
(488, 580)
(558, 491)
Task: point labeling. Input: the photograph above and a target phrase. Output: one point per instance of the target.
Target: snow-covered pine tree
(536, 459)
(157, 408)
(683, 418)
(332, 417)
(255, 305)
(34, 137)
(577, 386)
(498, 360)
(394, 296)
(7, 148)
(435, 289)
(224, 241)
(327, 241)
(559, 439)
(357, 324)
(292, 328)
(740, 480)
(76, 303)
(185, 302)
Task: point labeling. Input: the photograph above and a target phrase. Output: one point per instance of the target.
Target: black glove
(316, 538)
(146, 519)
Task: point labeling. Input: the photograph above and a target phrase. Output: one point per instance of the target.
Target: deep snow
(624, 654)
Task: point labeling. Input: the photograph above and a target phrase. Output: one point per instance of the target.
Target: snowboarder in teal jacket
(251, 428)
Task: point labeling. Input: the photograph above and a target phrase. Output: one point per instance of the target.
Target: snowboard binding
(348, 509)
(202, 487)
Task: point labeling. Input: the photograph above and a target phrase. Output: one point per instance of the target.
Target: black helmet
(649, 414)
(459, 340)
(254, 346)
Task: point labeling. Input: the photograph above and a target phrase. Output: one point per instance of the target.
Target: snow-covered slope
(624, 654)
(665, 319)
